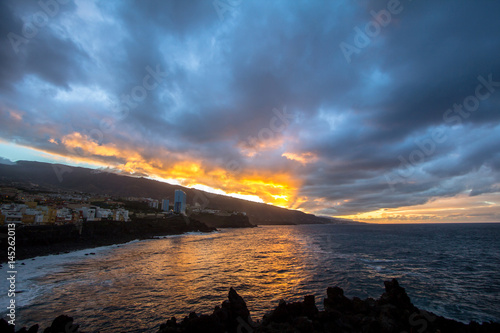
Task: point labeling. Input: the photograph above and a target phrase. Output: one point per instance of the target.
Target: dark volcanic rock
(62, 323)
(231, 316)
(293, 313)
(237, 309)
(396, 295)
(217, 221)
(336, 301)
(6, 328)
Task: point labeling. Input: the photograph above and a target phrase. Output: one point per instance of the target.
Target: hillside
(56, 177)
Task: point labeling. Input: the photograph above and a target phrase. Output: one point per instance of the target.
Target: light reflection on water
(453, 272)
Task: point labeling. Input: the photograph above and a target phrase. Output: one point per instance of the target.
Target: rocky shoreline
(393, 312)
(230, 221)
(33, 241)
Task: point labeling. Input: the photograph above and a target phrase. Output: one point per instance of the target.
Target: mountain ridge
(58, 177)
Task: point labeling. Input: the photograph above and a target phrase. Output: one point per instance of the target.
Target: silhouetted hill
(58, 177)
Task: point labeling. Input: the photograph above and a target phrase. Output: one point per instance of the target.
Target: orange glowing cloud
(277, 189)
(303, 158)
(85, 145)
(256, 145)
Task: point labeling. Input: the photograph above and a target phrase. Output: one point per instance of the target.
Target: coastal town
(32, 207)
(29, 207)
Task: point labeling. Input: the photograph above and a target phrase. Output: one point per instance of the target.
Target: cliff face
(142, 228)
(216, 221)
(49, 239)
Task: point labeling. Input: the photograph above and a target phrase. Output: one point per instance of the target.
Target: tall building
(164, 205)
(180, 202)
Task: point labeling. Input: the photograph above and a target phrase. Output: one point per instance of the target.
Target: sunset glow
(284, 115)
(459, 209)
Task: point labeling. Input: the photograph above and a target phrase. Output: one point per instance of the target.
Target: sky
(379, 111)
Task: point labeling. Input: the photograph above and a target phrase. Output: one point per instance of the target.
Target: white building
(12, 212)
(13, 217)
(180, 202)
(102, 213)
(121, 215)
(88, 213)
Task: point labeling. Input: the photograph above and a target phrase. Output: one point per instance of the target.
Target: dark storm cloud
(366, 122)
(30, 47)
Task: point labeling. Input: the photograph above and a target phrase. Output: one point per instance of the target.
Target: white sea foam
(190, 233)
(31, 272)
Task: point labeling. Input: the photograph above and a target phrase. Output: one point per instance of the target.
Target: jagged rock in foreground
(232, 315)
(62, 324)
(393, 312)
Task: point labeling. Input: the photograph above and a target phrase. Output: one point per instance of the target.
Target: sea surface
(452, 270)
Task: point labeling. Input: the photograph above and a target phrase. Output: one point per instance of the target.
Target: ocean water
(452, 270)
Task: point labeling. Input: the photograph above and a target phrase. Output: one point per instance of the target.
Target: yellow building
(31, 204)
(28, 219)
(49, 216)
